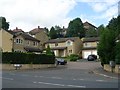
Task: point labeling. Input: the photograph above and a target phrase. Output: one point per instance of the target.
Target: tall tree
(114, 25)
(53, 34)
(100, 29)
(91, 33)
(3, 23)
(106, 46)
(59, 31)
(75, 28)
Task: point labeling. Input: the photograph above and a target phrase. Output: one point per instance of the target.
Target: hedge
(27, 58)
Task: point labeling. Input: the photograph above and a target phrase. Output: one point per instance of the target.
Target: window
(70, 51)
(19, 41)
(69, 43)
(28, 43)
(87, 44)
(56, 44)
(18, 51)
(35, 43)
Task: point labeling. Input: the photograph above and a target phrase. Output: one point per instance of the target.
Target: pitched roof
(59, 40)
(36, 30)
(87, 23)
(17, 30)
(89, 48)
(32, 49)
(58, 48)
(91, 39)
(27, 37)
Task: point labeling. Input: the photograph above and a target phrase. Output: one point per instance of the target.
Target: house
(89, 26)
(63, 47)
(41, 35)
(89, 46)
(23, 42)
(6, 41)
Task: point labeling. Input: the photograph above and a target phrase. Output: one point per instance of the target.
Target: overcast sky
(28, 14)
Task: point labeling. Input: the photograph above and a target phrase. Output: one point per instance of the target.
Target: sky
(29, 14)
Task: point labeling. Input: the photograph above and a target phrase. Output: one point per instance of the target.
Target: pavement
(102, 72)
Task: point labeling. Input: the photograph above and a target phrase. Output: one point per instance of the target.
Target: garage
(86, 53)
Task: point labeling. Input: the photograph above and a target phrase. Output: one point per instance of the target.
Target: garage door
(94, 52)
(86, 54)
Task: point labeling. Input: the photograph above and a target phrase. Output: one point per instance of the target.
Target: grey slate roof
(91, 39)
(59, 40)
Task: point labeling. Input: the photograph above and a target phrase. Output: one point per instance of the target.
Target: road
(73, 75)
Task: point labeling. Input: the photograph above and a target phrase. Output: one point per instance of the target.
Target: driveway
(87, 65)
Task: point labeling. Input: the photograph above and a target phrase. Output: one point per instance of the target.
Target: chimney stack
(38, 27)
(16, 28)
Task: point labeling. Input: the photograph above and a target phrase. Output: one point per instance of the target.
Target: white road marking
(100, 80)
(7, 78)
(77, 86)
(74, 79)
(80, 79)
(56, 77)
(60, 84)
(106, 76)
(34, 82)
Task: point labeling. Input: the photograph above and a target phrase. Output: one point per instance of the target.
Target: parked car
(61, 61)
(92, 57)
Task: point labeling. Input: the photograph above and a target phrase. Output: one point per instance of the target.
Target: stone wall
(108, 68)
(26, 66)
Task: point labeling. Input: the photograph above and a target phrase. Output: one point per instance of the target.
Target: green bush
(27, 58)
(74, 57)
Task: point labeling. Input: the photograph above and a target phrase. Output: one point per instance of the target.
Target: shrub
(74, 57)
(27, 58)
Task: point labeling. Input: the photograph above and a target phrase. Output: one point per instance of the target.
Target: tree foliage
(75, 28)
(106, 46)
(118, 53)
(48, 51)
(100, 29)
(91, 33)
(3, 23)
(59, 31)
(53, 33)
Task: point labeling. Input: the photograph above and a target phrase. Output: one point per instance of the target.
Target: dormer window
(68, 43)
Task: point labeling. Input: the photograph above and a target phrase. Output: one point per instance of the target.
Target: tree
(46, 29)
(59, 31)
(106, 47)
(117, 60)
(53, 34)
(75, 28)
(114, 25)
(48, 51)
(3, 23)
(91, 33)
(100, 29)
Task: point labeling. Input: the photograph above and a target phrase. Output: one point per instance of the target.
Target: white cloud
(27, 14)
